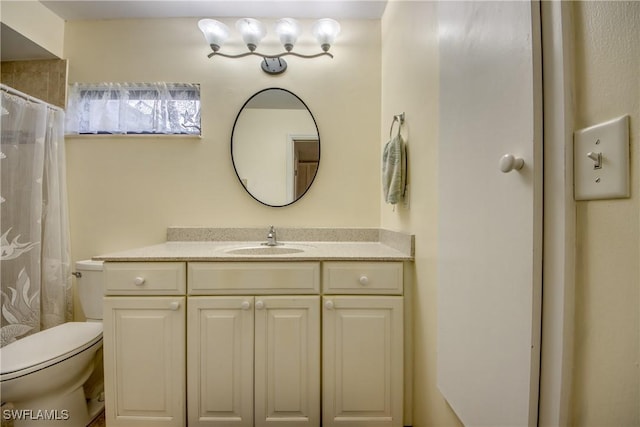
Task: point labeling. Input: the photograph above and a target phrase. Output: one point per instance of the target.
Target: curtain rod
(23, 95)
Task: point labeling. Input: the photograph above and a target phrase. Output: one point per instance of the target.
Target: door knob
(174, 305)
(509, 162)
(246, 305)
(259, 305)
(139, 281)
(329, 305)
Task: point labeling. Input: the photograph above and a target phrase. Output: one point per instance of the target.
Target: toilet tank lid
(49, 344)
(88, 265)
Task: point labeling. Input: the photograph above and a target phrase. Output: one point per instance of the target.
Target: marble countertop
(314, 244)
(222, 251)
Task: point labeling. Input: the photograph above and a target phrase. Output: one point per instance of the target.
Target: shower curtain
(35, 265)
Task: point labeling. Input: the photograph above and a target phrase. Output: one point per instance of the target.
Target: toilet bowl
(42, 375)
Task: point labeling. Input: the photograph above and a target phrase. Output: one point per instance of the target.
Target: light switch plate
(611, 179)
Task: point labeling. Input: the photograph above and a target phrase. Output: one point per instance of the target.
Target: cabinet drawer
(362, 277)
(265, 278)
(145, 278)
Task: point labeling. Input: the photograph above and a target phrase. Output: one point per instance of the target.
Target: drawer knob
(174, 305)
(139, 281)
(246, 305)
(259, 305)
(329, 305)
(364, 280)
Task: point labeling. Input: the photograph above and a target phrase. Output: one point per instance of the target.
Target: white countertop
(218, 251)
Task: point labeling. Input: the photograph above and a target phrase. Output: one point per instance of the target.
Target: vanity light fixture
(325, 31)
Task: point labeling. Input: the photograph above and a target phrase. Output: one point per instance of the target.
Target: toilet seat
(47, 348)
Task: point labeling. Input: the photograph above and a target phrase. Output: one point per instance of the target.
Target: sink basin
(267, 250)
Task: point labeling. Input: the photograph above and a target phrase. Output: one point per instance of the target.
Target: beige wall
(410, 85)
(124, 192)
(606, 374)
(606, 388)
(35, 22)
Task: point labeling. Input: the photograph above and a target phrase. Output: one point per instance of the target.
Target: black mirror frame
(234, 162)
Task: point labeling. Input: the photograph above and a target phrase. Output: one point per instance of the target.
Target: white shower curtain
(35, 266)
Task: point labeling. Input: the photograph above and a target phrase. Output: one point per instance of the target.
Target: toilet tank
(90, 288)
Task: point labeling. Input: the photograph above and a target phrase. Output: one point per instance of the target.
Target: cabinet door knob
(364, 280)
(509, 162)
(246, 305)
(328, 305)
(259, 305)
(139, 281)
(174, 305)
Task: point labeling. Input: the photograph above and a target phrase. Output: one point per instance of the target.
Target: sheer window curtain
(133, 108)
(35, 260)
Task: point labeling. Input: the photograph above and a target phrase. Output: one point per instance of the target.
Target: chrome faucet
(272, 240)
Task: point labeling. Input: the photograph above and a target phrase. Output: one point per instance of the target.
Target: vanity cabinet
(220, 361)
(362, 344)
(251, 278)
(362, 361)
(301, 344)
(144, 343)
(254, 361)
(144, 361)
(254, 344)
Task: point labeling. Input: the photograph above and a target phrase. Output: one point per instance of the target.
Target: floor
(99, 422)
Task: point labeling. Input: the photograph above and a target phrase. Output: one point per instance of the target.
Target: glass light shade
(214, 31)
(252, 31)
(325, 31)
(288, 30)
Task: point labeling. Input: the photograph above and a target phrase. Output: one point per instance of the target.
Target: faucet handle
(271, 237)
(272, 240)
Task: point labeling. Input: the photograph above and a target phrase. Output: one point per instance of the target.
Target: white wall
(124, 191)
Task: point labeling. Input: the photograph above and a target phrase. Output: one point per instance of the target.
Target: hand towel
(394, 165)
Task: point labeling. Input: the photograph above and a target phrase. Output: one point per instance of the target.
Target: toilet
(42, 375)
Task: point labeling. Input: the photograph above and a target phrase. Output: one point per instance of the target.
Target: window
(134, 108)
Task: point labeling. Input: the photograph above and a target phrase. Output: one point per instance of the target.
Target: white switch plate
(611, 181)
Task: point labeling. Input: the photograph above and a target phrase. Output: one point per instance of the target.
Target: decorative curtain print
(35, 260)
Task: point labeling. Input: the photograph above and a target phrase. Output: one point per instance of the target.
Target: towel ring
(397, 118)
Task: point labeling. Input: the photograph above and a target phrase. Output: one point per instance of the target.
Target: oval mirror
(275, 147)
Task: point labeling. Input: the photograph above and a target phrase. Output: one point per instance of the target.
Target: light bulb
(252, 32)
(288, 30)
(325, 31)
(214, 31)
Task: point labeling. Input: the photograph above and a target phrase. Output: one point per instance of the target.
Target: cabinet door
(144, 361)
(287, 361)
(362, 361)
(220, 361)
